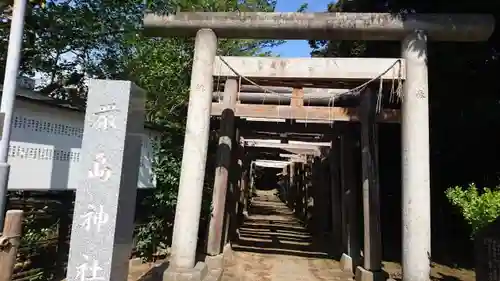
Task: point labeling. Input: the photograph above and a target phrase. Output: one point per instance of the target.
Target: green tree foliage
(163, 68)
(325, 48)
(68, 41)
(478, 209)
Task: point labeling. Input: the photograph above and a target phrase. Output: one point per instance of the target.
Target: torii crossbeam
(332, 26)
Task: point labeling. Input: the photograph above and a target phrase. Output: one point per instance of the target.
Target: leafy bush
(153, 235)
(478, 208)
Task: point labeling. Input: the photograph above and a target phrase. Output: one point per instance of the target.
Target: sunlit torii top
(333, 26)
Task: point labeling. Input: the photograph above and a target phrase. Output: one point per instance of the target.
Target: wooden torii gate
(412, 30)
(254, 69)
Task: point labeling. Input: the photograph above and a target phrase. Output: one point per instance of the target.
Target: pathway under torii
(412, 30)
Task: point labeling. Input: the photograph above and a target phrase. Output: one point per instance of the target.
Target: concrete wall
(44, 151)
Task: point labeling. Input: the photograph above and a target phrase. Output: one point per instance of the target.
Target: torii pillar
(413, 30)
(416, 203)
(194, 158)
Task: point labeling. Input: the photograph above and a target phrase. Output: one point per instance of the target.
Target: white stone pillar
(416, 215)
(194, 156)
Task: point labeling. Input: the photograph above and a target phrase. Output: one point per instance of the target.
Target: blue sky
(298, 48)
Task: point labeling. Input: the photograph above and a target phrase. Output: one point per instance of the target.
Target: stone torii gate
(412, 30)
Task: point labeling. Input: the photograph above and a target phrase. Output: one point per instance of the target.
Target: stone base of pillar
(215, 264)
(198, 273)
(346, 263)
(227, 251)
(367, 275)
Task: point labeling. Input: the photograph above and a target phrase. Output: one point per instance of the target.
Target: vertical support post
(9, 243)
(232, 194)
(310, 192)
(252, 180)
(284, 184)
(371, 202)
(307, 186)
(325, 184)
(288, 185)
(194, 157)
(351, 256)
(416, 209)
(103, 220)
(296, 101)
(300, 190)
(292, 186)
(247, 190)
(242, 210)
(236, 206)
(226, 138)
(241, 178)
(303, 186)
(335, 208)
(317, 214)
(9, 95)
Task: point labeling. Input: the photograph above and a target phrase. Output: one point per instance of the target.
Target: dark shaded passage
(272, 228)
(273, 244)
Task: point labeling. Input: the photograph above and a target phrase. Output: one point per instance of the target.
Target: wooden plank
(286, 127)
(293, 148)
(282, 145)
(223, 158)
(305, 69)
(294, 137)
(271, 163)
(305, 151)
(294, 157)
(266, 151)
(273, 141)
(287, 90)
(310, 113)
(319, 97)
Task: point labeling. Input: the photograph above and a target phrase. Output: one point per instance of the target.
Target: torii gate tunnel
(412, 30)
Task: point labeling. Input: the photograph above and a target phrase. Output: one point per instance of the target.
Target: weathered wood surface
(282, 145)
(332, 26)
(310, 69)
(10, 241)
(309, 113)
(249, 141)
(317, 97)
(271, 163)
(371, 188)
(226, 140)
